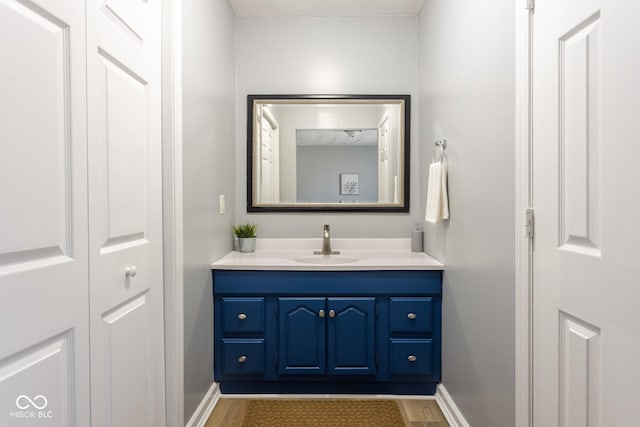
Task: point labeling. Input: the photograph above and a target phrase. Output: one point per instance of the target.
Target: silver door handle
(131, 271)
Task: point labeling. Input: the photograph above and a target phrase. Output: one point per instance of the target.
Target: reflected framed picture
(349, 184)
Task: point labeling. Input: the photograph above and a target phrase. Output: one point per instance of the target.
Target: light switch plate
(221, 204)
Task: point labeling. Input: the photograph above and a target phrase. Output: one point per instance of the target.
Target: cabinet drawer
(411, 356)
(242, 315)
(243, 356)
(411, 314)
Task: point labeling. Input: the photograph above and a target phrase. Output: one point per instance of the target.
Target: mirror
(328, 153)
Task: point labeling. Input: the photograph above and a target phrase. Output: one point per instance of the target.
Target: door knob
(242, 359)
(131, 271)
(242, 316)
(412, 358)
(411, 316)
(321, 313)
(332, 314)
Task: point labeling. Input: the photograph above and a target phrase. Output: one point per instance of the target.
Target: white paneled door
(586, 143)
(123, 74)
(44, 314)
(266, 161)
(81, 308)
(269, 165)
(384, 193)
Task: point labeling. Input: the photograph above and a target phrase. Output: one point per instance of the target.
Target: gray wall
(467, 95)
(208, 144)
(326, 55)
(319, 168)
(460, 73)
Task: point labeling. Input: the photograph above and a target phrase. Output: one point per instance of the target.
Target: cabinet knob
(321, 313)
(242, 359)
(332, 314)
(131, 271)
(411, 316)
(412, 358)
(242, 316)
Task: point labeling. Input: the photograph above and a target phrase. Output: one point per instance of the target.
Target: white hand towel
(437, 197)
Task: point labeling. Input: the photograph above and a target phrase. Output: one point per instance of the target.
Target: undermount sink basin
(327, 259)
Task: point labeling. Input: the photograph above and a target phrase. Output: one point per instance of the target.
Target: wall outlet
(221, 204)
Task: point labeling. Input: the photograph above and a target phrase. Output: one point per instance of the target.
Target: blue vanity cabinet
(334, 336)
(327, 331)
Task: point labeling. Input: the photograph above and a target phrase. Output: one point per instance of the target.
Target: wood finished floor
(229, 412)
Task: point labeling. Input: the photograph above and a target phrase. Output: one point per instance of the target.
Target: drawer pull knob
(321, 313)
(411, 316)
(242, 316)
(412, 358)
(332, 314)
(242, 359)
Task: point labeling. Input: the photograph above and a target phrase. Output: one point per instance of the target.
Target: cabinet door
(302, 335)
(351, 336)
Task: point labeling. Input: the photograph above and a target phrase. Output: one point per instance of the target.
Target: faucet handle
(326, 227)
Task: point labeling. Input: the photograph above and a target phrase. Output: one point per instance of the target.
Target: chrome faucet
(326, 243)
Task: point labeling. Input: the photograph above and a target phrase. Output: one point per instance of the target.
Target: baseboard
(449, 409)
(205, 408)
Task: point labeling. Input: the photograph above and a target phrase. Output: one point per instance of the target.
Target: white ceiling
(340, 137)
(272, 8)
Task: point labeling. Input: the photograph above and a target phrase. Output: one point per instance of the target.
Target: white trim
(172, 210)
(449, 409)
(524, 200)
(205, 408)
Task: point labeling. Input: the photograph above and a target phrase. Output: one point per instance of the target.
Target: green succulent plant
(244, 231)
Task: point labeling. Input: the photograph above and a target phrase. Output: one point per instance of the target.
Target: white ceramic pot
(247, 244)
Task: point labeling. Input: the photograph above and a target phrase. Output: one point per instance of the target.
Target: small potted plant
(246, 234)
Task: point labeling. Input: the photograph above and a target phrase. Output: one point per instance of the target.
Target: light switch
(221, 204)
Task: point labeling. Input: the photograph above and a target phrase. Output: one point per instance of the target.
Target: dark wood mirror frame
(402, 206)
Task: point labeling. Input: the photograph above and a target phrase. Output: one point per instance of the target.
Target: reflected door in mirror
(269, 188)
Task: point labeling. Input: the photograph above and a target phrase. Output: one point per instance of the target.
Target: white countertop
(357, 254)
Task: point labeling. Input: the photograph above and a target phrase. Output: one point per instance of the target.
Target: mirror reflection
(328, 153)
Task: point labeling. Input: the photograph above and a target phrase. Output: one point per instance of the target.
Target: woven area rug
(324, 413)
